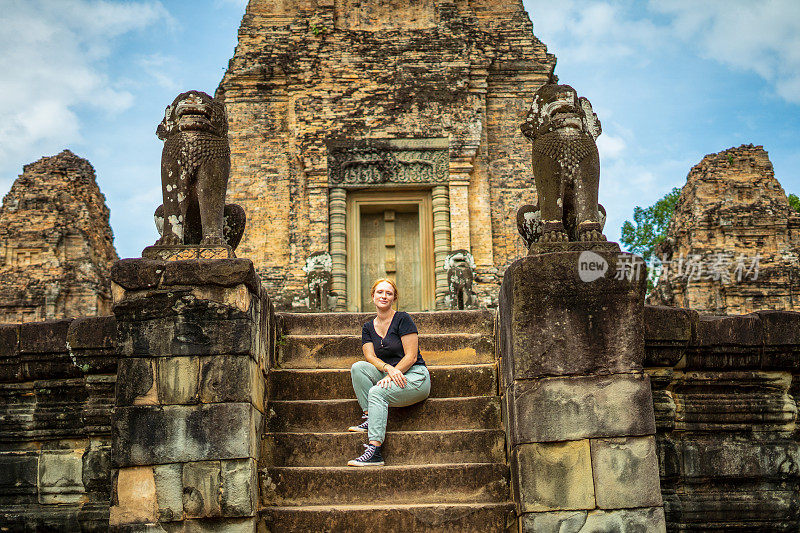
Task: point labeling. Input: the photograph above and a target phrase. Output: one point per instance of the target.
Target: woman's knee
(377, 392)
(359, 366)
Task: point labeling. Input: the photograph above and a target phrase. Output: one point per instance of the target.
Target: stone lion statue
(195, 165)
(566, 167)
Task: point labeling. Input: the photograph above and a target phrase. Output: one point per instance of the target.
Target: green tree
(794, 201)
(650, 225)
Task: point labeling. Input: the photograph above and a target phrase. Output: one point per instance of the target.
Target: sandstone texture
(56, 244)
(730, 210)
(326, 98)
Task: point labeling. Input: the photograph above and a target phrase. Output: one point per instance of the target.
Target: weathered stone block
(626, 472)
(207, 525)
(231, 379)
(61, 476)
(135, 379)
(239, 487)
(201, 489)
(19, 474)
(178, 380)
(185, 335)
(723, 456)
(146, 435)
(729, 343)
(667, 333)
(136, 497)
(781, 339)
(222, 272)
(553, 323)
(572, 408)
(169, 491)
(137, 274)
(620, 521)
(97, 467)
(92, 333)
(552, 476)
(44, 337)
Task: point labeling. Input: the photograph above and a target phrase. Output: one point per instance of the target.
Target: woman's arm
(397, 372)
(369, 354)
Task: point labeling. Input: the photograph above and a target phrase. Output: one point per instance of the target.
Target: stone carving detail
(460, 267)
(383, 162)
(566, 167)
(319, 282)
(195, 165)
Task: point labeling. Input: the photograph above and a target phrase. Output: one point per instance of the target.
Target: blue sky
(671, 81)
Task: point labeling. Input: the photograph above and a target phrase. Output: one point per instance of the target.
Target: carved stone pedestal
(577, 406)
(193, 340)
(187, 252)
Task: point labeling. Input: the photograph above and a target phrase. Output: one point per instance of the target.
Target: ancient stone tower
(385, 132)
(733, 242)
(56, 244)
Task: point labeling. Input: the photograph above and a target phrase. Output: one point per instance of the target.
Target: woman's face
(383, 297)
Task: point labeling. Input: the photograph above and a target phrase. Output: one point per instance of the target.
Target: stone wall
(724, 396)
(731, 210)
(56, 244)
(725, 392)
(56, 397)
(308, 74)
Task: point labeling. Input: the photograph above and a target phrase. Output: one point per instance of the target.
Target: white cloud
(593, 32)
(610, 147)
(52, 64)
(762, 37)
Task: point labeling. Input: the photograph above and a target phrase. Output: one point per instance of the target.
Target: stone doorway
(389, 234)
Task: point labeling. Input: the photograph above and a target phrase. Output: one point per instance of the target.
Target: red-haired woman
(393, 373)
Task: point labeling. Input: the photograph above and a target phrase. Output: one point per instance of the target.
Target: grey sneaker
(362, 427)
(371, 457)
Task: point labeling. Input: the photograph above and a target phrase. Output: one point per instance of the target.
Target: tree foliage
(794, 201)
(650, 225)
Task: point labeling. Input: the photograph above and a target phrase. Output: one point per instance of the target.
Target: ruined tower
(56, 244)
(385, 133)
(733, 243)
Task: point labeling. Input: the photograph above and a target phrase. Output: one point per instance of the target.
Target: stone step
(341, 351)
(476, 412)
(430, 483)
(472, 321)
(409, 518)
(328, 384)
(400, 448)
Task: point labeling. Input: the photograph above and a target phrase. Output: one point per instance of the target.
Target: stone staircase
(445, 457)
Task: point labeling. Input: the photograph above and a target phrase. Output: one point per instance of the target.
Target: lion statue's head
(193, 111)
(557, 107)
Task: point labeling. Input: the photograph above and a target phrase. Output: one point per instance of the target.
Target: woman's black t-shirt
(389, 349)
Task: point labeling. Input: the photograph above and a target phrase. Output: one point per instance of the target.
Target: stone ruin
(733, 244)
(56, 244)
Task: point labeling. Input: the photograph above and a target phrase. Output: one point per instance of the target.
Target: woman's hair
(390, 282)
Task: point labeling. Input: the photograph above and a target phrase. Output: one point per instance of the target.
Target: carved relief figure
(318, 282)
(566, 168)
(195, 165)
(460, 267)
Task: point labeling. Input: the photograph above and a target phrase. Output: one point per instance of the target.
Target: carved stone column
(577, 405)
(338, 228)
(441, 239)
(460, 171)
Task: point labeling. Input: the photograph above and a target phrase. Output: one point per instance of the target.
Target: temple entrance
(389, 235)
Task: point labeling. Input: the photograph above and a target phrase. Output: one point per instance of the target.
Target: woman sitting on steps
(393, 372)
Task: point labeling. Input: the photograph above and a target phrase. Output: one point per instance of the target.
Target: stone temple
(733, 244)
(364, 127)
(56, 244)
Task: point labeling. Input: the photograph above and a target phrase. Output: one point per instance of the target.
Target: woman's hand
(393, 375)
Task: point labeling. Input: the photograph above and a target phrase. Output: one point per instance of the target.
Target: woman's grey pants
(376, 400)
